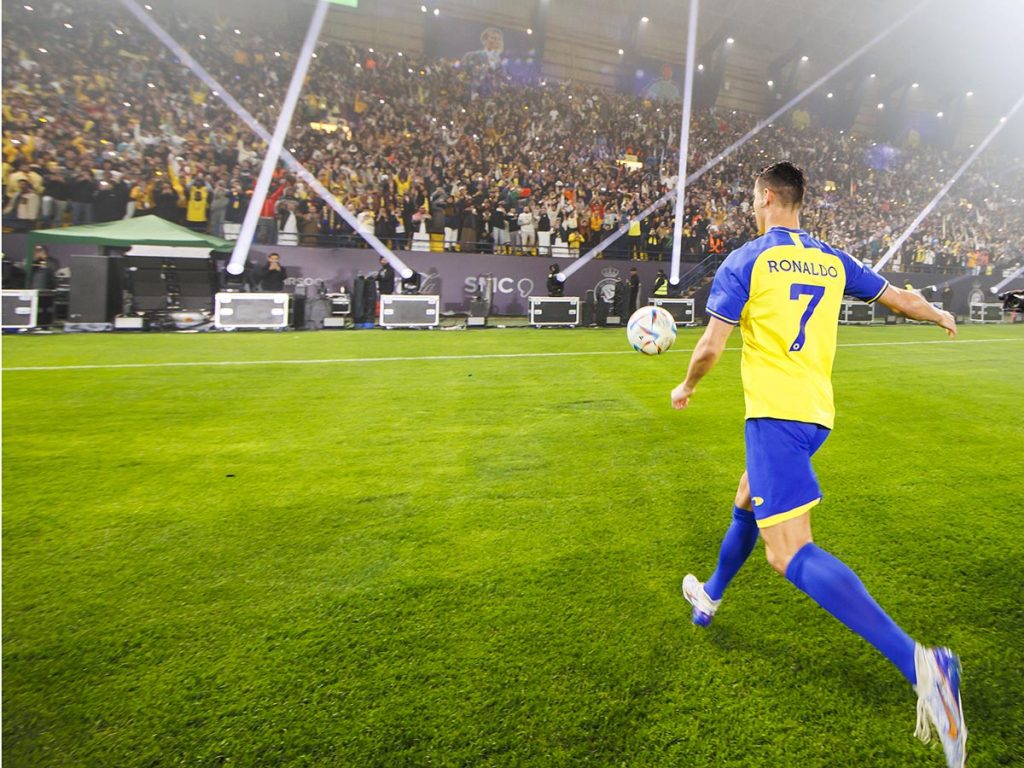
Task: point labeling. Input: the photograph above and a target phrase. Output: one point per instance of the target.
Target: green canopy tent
(144, 230)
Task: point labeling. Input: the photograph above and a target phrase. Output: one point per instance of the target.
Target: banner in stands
(488, 48)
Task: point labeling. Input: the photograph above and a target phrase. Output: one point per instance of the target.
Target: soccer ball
(651, 330)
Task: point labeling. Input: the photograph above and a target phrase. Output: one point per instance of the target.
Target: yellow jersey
(784, 290)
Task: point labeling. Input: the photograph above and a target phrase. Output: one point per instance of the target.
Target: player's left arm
(703, 359)
(914, 306)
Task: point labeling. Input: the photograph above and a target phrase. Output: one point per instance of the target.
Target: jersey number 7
(796, 290)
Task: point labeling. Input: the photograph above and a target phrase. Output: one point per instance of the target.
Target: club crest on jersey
(802, 268)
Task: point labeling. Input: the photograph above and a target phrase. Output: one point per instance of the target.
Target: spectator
(22, 211)
(527, 230)
(83, 195)
(392, 149)
(218, 209)
(198, 195)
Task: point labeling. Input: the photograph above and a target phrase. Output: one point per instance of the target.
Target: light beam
(898, 242)
(751, 133)
(254, 125)
(684, 141)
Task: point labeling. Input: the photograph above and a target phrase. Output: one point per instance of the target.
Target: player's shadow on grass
(782, 631)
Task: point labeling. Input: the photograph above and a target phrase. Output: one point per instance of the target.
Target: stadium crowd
(101, 123)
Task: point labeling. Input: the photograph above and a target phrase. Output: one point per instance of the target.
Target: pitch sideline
(433, 358)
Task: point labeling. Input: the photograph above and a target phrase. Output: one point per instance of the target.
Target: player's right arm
(729, 293)
(914, 306)
(703, 359)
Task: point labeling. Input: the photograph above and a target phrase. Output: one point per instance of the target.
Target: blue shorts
(782, 481)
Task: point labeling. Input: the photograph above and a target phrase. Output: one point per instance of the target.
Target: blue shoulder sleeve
(861, 283)
(731, 287)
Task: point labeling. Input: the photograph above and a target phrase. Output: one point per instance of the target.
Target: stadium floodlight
(970, 93)
(768, 121)
(644, 19)
(805, 58)
(898, 242)
(254, 125)
(730, 40)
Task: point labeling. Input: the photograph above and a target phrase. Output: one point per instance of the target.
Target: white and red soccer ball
(651, 330)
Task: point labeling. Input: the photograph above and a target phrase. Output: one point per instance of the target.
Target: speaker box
(95, 289)
(252, 310)
(20, 308)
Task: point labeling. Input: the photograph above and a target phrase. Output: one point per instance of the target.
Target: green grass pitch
(471, 556)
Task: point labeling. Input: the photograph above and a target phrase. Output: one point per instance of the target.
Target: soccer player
(784, 291)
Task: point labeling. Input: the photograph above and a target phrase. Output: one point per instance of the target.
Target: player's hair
(785, 180)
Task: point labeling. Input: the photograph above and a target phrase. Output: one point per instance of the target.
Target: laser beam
(751, 133)
(254, 125)
(684, 141)
(899, 241)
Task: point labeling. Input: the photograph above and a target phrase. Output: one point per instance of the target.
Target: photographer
(273, 275)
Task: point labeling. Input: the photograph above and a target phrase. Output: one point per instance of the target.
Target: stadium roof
(947, 45)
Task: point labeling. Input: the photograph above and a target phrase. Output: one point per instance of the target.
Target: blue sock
(831, 584)
(737, 545)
